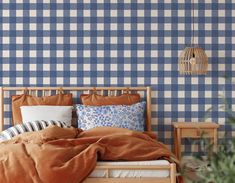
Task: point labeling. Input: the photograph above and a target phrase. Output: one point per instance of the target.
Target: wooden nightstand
(193, 130)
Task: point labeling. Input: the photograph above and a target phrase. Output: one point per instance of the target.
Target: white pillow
(46, 112)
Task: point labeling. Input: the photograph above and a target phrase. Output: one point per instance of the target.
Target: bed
(160, 171)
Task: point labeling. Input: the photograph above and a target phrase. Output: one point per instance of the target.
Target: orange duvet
(57, 155)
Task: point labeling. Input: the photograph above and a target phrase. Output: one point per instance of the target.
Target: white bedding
(132, 173)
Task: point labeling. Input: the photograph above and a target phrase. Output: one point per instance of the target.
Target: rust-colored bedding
(57, 155)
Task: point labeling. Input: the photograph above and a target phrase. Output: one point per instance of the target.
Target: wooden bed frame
(109, 91)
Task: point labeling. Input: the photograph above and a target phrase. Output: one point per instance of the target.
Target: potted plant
(218, 166)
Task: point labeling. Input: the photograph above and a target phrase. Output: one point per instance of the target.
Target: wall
(122, 43)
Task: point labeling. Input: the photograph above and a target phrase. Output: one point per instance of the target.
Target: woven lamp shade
(193, 61)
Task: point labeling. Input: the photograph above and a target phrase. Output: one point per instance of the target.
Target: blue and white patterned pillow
(122, 116)
(29, 127)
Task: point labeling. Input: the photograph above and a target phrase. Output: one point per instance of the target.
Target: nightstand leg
(215, 139)
(179, 143)
(175, 143)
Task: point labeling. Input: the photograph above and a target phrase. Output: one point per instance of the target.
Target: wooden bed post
(1, 109)
(172, 173)
(149, 109)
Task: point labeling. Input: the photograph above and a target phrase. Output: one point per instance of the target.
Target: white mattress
(132, 173)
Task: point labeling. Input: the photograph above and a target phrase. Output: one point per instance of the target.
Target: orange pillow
(28, 100)
(98, 100)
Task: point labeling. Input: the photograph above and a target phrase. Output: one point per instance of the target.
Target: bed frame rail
(171, 179)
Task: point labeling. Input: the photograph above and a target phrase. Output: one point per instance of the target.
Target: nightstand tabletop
(195, 125)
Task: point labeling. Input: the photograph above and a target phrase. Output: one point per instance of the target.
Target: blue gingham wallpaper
(122, 43)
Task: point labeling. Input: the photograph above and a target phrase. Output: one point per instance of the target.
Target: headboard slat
(48, 90)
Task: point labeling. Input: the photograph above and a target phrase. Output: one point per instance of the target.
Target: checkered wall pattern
(123, 43)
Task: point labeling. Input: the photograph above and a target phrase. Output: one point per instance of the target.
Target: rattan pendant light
(193, 59)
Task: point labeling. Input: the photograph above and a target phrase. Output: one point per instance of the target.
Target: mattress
(131, 173)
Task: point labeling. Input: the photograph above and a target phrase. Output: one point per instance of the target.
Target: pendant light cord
(193, 23)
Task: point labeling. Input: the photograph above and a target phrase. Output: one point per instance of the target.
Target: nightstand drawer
(196, 133)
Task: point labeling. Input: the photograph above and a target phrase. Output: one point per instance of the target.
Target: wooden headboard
(45, 91)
